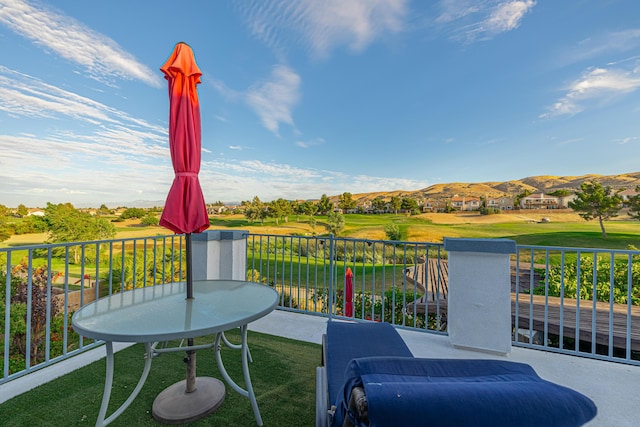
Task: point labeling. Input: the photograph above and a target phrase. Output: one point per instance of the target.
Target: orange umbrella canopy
(185, 210)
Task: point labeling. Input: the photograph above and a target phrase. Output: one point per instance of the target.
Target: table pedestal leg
(248, 393)
(108, 385)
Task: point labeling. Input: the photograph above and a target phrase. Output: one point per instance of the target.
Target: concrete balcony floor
(613, 387)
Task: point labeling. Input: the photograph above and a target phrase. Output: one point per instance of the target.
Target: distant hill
(536, 184)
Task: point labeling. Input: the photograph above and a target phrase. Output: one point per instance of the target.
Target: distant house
(216, 209)
(431, 205)
(563, 201)
(436, 205)
(502, 203)
(465, 203)
(539, 201)
(35, 212)
(626, 195)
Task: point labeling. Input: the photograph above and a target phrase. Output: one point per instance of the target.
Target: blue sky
(301, 98)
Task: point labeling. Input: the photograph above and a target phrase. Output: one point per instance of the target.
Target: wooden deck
(437, 280)
(531, 315)
(531, 308)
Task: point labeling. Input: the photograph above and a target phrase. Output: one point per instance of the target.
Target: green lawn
(620, 234)
(283, 377)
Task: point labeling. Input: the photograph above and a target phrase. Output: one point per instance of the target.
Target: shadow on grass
(283, 377)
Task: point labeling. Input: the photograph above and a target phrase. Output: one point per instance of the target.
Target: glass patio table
(162, 313)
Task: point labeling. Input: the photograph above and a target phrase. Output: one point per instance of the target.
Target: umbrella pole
(183, 402)
(189, 267)
(191, 355)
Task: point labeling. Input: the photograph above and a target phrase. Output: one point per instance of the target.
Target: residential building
(465, 203)
(503, 203)
(539, 201)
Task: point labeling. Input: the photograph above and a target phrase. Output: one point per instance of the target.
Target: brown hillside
(535, 184)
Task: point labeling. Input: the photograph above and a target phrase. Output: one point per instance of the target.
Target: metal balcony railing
(44, 285)
(578, 301)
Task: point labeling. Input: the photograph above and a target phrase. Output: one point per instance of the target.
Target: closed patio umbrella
(185, 212)
(348, 293)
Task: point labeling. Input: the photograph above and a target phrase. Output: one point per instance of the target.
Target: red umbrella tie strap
(186, 174)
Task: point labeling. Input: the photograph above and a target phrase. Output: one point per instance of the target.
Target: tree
(31, 224)
(560, 193)
(379, 205)
(22, 210)
(634, 205)
(103, 210)
(307, 208)
(410, 205)
(516, 200)
(149, 220)
(594, 201)
(325, 205)
(67, 224)
(5, 232)
(395, 203)
(255, 210)
(392, 231)
(346, 201)
(280, 209)
(335, 223)
(133, 213)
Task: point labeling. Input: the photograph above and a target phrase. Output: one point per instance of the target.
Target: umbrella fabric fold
(185, 210)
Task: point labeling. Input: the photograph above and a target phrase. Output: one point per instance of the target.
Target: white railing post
(479, 300)
(220, 255)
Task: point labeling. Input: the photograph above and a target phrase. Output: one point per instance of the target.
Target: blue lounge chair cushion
(348, 340)
(453, 392)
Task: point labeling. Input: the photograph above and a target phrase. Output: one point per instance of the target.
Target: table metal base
(175, 406)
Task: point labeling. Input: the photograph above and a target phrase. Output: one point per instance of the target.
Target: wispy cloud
(616, 43)
(258, 167)
(101, 57)
(595, 85)
(319, 26)
(477, 20)
(81, 169)
(130, 154)
(310, 143)
(272, 98)
(323, 25)
(24, 95)
(570, 141)
(628, 140)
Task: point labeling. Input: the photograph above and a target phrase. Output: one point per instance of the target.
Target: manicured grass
(282, 373)
(422, 228)
(620, 234)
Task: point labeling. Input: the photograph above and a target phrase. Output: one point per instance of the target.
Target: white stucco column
(479, 300)
(220, 255)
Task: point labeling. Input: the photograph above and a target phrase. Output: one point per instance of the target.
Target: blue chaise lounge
(369, 377)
